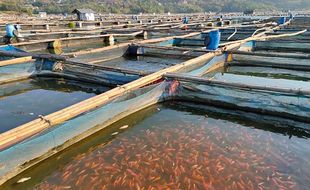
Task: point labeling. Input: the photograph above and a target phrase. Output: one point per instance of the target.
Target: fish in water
(124, 127)
(22, 180)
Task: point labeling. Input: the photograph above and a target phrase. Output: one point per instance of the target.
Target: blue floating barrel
(9, 28)
(282, 20)
(212, 41)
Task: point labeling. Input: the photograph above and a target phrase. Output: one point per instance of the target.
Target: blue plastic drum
(212, 41)
(282, 20)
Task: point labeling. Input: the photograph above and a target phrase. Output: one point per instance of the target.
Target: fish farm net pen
(158, 74)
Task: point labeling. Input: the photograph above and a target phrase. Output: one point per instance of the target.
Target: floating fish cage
(150, 149)
(165, 112)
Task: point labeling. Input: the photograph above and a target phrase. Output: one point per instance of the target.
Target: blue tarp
(11, 48)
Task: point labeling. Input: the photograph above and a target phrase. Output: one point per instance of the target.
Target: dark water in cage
(23, 101)
(143, 63)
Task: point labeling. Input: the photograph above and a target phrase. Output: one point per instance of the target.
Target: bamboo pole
(104, 60)
(271, 64)
(207, 81)
(33, 55)
(15, 79)
(233, 45)
(29, 129)
(235, 32)
(73, 38)
(263, 37)
(269, 54)
(16, 61)
(156, 40)
(96, 50)
(260, 29)
(173, 48)
(280, 35)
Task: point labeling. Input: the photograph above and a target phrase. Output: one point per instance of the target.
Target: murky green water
(175, 146)
(143, 63)
(23, 101)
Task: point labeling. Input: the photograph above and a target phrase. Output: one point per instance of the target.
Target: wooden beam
(252, 63)
(206, 81)
(33, 55)
(173, 48)
(96, 50)
(15, 79)
(16, 61)
(74, 38)
(269, 54)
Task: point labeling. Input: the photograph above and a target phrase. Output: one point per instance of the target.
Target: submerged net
(16, 71)
(90, 122)
(11, 72)
(269, 103)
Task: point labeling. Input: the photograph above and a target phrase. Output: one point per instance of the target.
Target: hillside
(150, 6)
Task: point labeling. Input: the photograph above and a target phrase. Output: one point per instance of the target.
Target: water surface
(23, 101)
(173, 146)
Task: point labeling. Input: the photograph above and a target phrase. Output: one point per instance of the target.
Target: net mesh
(295, 106)
(97, 119)
(11, 72)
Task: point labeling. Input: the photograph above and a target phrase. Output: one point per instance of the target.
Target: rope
(232, 34)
